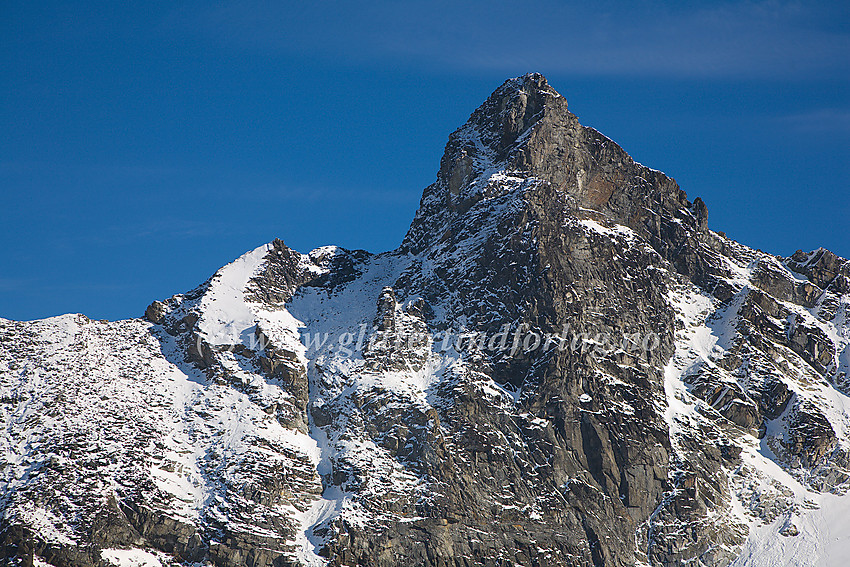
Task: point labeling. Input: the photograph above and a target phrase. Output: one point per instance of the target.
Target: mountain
(560, 365)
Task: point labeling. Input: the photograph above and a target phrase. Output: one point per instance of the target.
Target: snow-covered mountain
(560, 365)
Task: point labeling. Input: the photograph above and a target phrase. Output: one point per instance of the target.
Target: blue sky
(145, 146)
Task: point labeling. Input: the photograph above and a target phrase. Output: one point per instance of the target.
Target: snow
(227, 319)
(617, 230)
(823, 539)
(130, 558)
(336, 374)
(135, 417)
(824, 532)
(323, 509)
(693, 344)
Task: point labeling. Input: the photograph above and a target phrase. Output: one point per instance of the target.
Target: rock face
(560, 365)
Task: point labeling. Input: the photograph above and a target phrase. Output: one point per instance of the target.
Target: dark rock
(774, 398)
(155, 312)
(811, 436)
(824, 269)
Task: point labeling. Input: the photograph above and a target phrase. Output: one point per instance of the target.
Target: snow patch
(130, 558)
(227, 319)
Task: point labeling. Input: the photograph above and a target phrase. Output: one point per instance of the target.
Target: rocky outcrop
(824, 269)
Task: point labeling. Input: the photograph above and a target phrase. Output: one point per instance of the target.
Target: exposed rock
(155, 312)
(824, 269)
(811, 436)
(774, 398)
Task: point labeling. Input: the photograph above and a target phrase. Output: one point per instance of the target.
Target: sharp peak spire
(496, 126)
(531, 79)
(529, 85)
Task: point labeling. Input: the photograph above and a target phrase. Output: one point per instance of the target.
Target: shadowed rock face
(668, 361)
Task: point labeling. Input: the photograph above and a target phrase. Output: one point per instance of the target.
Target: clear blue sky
(144, 147)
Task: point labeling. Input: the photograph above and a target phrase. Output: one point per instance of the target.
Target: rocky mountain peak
(511, 111)
(499, 127)
(494, 140)
(523, 138)
(561, 360)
